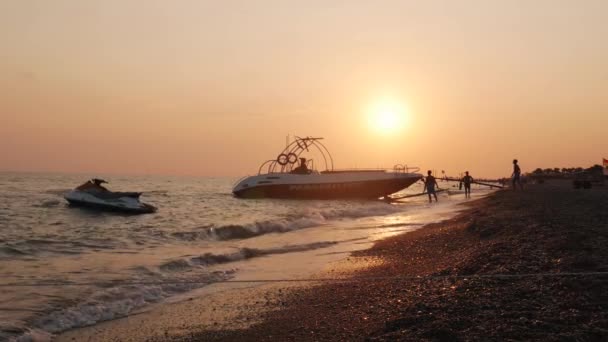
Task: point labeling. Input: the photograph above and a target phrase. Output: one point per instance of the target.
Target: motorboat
(285, 177)
(93, 194)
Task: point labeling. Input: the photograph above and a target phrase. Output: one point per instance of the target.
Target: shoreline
(218, 306)
(544, 230)
(203, 308)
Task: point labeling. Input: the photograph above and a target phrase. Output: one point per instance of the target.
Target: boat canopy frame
(285, 161)
(288, 158)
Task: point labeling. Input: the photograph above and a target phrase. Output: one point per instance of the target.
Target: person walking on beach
(516, 176)
(467, 180)
(429, 186)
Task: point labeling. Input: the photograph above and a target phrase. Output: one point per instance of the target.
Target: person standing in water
(429, 185)
(467, 180)
(516, 176)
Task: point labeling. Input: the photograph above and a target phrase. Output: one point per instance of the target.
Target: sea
(63, 267)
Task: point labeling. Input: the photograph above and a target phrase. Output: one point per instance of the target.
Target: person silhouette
(467, 180)
(98, 183)
(302, 169)
(93, 185)
(516, 176)
(429, 185)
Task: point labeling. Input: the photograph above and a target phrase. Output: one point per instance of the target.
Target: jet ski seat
(112, 195)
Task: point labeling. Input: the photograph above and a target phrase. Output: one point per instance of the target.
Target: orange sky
(213, 87)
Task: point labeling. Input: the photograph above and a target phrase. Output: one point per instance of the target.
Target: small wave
(375, 209)
(191, 236)
(41, 242)
(32, 247)
(389, 225)
(100, 243)
(231, 232)
(304, 219)
(111, 303)
(405, 224)
(47, 204)
(248, 253)
(11, 251)
(145, 271)
(157, 192)
(235, 231)
(175, 265)
(57, 192)
(209, 259)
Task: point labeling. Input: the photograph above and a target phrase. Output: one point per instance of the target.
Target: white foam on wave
(208, 259)
(367, 210)
(112, 303)
(304, 218)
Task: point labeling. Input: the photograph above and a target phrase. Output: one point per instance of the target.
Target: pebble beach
(513, 266)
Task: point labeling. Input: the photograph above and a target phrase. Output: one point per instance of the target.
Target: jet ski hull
(337, 186)
(125, 204)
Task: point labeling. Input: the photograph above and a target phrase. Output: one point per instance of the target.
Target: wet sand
(466, 290)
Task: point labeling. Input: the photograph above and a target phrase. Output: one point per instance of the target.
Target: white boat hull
(125, 204)
(326, 185)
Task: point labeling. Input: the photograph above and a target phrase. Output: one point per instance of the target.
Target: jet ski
(92, 194)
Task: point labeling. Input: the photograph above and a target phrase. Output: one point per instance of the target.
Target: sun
(387, 116)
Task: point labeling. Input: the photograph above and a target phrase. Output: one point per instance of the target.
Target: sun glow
(387, 116)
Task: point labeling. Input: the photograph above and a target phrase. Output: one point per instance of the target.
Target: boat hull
(125, 204)
(327, 188)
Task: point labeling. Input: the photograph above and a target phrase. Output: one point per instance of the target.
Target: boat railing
(287, 160)
(397, 169)
(269, 164)
(406, 169)
(269, 167)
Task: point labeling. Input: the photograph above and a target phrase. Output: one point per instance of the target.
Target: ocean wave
(41, 242)
(245, 231)
(231, 232)
(108, 304)
(145, 271)
(209, 259)
(248, 253)
(47, 204)
(160, 193)
(303, 219)
(12, 251)
(389, 225)
(400, 224)
(368, 210)
(57, 192)
(40, 246)
(175, 265)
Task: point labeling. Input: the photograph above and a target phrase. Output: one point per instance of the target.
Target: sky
(212, 88)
